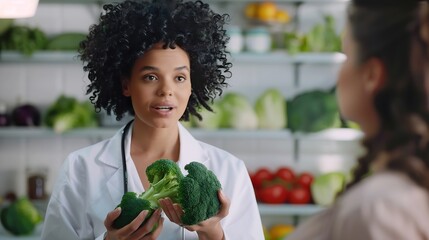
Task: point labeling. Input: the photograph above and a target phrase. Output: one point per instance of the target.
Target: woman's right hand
(134, 230)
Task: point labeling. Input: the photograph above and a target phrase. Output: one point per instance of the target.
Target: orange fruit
(280, 231)
(250, 10)
(266, 11)
(282, 16)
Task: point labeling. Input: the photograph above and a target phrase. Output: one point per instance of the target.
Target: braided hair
(402, 102)
(127, 30)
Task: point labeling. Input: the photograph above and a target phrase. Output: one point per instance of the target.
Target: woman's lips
(163, 110)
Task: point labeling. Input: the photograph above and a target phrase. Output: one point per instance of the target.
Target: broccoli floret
(164, 176)
(131, 206)
(198, 194)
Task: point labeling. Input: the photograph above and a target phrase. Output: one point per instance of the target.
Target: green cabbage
(325, 187)
(238, 113)
(211, 120)
(20, 217)
(270, 108)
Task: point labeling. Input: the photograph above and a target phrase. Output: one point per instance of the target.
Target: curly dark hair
(127, 30)
(392, 32)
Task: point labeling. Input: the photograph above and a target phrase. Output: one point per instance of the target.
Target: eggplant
(26, 115)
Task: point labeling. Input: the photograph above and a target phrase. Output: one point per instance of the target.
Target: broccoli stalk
(196, 193)
(164, 176)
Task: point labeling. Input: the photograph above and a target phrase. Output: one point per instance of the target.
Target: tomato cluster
(282, 186)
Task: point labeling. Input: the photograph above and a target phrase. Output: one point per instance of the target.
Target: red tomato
(260, 176)
(285, 173)
(274, 194)
(305, 180)
(299, 195)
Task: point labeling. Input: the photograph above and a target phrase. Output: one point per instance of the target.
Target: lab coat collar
(112, 152)
(190, 149)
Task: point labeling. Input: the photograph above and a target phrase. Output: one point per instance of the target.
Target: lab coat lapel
(190, 149)
(111, 157)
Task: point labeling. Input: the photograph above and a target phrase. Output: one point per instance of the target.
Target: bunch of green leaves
(67, 113)
(24, 39)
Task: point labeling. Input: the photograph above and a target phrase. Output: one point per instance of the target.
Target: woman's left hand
(207, 229)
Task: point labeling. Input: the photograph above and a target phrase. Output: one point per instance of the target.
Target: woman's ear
(125, 87)
(374, 74)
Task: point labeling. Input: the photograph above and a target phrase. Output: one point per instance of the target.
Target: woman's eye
(149, 78)
(181, 78)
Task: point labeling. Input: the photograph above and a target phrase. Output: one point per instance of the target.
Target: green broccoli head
(198, 194)
(131, 206)
(20, 217)
(164, 176)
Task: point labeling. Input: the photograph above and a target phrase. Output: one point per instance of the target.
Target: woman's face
(160, 86)
(354, 97)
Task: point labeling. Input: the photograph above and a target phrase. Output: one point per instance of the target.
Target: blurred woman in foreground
(383, 87)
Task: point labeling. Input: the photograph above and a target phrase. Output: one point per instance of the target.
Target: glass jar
(36, 180)
(236, 42)
(258, 40)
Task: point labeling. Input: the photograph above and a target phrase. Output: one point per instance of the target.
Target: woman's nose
(165, 90)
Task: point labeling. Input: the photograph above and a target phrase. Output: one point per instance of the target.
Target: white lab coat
(90, 185)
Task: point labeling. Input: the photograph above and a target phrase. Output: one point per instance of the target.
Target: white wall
(40, 84)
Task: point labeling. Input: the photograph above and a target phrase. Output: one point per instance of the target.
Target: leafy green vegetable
(270, 108)
(5, 24)
(24, 39)
(238, 113)
(211, 120)
(325, 187)
(20, 217)
(313, 111)
(66, 41)
(67, 113)
(322, 37)
(196, 192)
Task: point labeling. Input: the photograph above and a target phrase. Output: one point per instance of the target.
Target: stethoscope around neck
(124, 165)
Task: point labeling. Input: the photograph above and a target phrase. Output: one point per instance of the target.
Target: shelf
(272, 57)
(288, 209)
(208, 1)
(39, 57)
(335, 134)
(283, 57)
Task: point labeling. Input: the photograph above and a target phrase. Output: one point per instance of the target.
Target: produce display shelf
(334, 134)
(210, 1)
(284, 57)
(289, 209)
(39, 57)
(245, 57)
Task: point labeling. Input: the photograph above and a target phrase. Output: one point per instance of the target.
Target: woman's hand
(208, 229)
(134, 230)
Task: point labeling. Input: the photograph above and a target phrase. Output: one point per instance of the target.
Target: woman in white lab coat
(160, 61)
(383, 86)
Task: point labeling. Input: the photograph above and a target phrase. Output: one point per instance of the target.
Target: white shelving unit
(334, 134)
(46, 57)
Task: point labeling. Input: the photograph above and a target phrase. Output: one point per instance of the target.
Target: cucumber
(65, 41)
